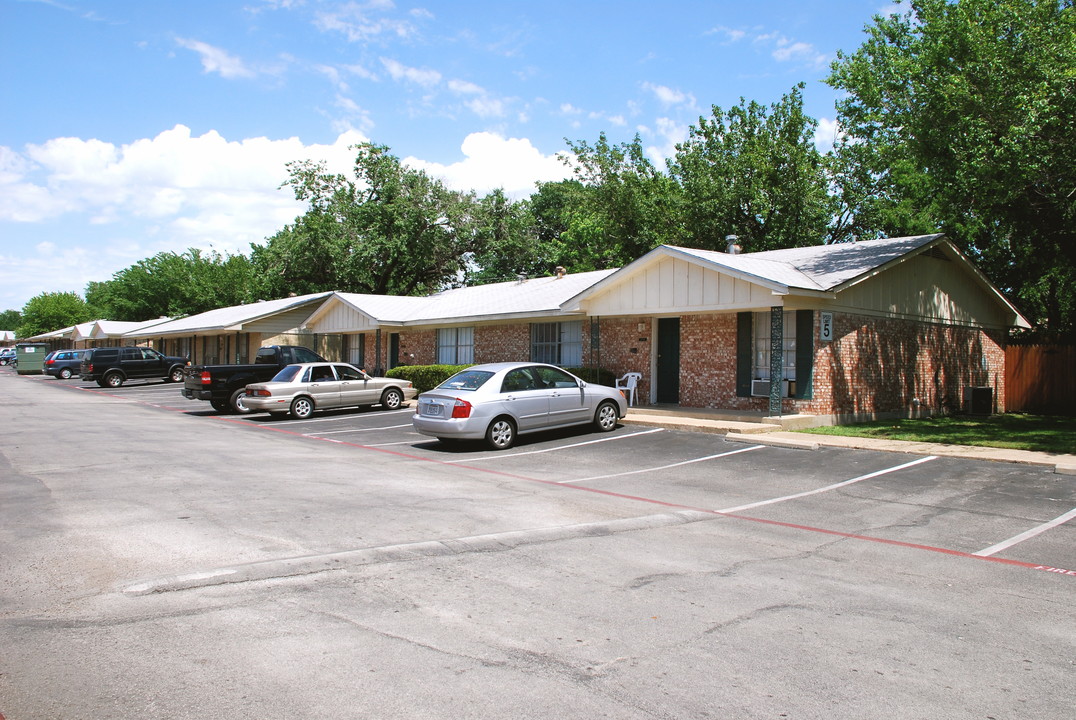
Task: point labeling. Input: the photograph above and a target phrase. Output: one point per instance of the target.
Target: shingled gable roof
(535, 297)
(228, 318)
(815, 270)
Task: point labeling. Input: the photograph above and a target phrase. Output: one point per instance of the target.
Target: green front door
(668, 361)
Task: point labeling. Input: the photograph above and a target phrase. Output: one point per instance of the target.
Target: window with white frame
(558, 343)
(455, 346)
(760, 369)
(356, 349)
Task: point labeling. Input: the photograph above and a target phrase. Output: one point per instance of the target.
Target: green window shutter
(743, 354)
(804, 353)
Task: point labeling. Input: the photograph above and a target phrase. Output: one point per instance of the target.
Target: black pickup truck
(222, 385)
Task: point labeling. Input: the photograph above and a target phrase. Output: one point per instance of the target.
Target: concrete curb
(770, 439)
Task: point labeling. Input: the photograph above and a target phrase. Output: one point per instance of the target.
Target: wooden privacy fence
(1040, 379)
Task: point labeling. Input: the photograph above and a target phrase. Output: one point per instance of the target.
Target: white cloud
(462, 87)
(827, 134)
(399, 71)
(172, 177)
(731, 35)
(492, 161)
(798, 51)
(215, 60)
(668, 96)
(364, 21)
(667, 133)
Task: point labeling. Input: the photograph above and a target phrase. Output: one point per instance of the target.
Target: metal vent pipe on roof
(733, 246)
(561, 271)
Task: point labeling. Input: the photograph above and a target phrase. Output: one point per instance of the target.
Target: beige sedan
(302, 388)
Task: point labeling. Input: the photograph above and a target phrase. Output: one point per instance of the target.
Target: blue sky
(132, 127)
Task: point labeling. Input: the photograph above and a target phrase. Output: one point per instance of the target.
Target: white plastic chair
(629, 383)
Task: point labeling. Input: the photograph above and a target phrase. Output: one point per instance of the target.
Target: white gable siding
(279, 322)
(674, 285)
(341, 318)
(929, 289)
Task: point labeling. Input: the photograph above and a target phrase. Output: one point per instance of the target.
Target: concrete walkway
(756, 429)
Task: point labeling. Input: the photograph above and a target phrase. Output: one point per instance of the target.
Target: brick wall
(502, 343)
(874, 366)
(881, 366)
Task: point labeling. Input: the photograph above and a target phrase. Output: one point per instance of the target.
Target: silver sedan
(302, 388)
(500, 401)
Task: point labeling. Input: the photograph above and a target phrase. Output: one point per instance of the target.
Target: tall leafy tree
(173, 284)
(52, 311)
(965, 111)
(388, 229)
(627, 209)
(10, 319)
(754, 172)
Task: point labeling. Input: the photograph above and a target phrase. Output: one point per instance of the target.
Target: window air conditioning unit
(761, 388)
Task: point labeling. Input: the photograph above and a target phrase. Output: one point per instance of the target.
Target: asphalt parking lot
(245, 567)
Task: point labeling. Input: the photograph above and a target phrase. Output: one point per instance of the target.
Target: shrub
(425, 377)
(596, 376)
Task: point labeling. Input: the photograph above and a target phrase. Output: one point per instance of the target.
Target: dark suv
(112, 366)
(63, 363)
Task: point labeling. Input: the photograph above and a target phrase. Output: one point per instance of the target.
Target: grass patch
(1016, 431)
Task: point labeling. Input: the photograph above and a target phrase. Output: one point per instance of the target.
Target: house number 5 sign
(827, 327)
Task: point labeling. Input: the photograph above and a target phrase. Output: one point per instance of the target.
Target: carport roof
(229, 318)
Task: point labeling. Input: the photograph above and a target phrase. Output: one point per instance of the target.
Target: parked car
(302, 388)
(500, 401)
(112, 366)
(7, 356)
(63, 363)
(224, 386)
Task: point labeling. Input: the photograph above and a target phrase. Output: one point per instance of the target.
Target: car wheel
(391, 399)
(302, 408)
(501, 434)
(176, 375)
(606, 416)
(113, 380)
(65, 374)
(220, 405)
(236, 404)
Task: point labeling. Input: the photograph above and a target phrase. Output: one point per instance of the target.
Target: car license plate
(432, 410)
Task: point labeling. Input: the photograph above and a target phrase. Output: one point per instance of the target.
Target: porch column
(377, 353)
(777, 353)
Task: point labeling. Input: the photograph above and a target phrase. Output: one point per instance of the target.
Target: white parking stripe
(1005, 544)
(354, 430)
(346, 417)
(552, 449)
(827, 488)
(665, 467)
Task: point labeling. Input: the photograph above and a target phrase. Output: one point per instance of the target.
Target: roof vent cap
(733, 245)
(560, 271)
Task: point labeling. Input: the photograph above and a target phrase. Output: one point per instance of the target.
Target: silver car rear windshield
(287, 374)
(466, 380)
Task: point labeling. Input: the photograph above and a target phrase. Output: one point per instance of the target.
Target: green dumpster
(31, 357)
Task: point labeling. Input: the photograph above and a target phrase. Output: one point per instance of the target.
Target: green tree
(754, 172)
(508, 246)
(173, 285)
(10, 319)
(628, 208)
(962, 113)
(52, 311)
(388, 230)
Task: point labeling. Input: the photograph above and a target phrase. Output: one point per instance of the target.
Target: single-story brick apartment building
(875, 328)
